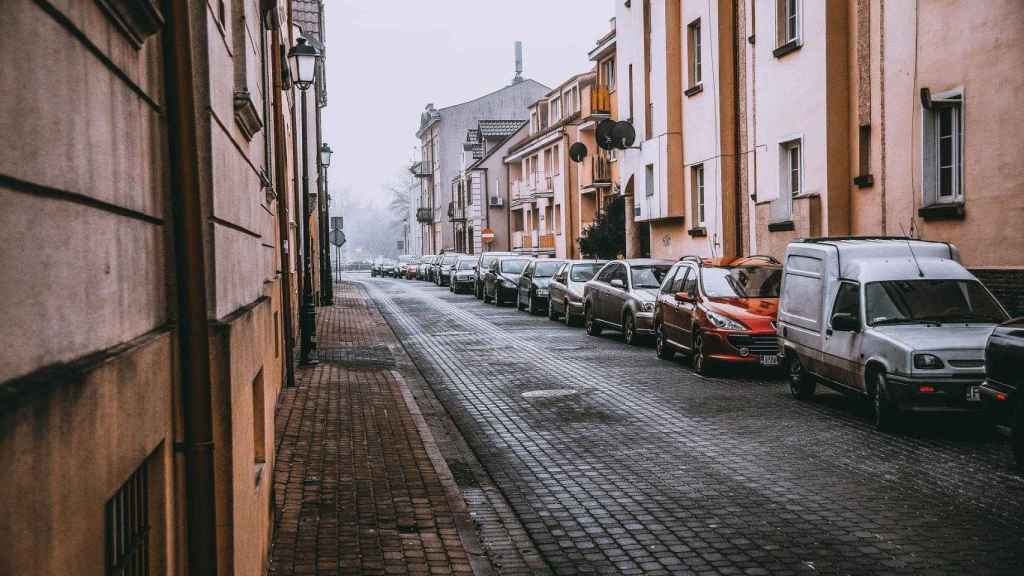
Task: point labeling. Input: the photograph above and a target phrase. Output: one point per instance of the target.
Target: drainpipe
(190, 277)
(281, 183)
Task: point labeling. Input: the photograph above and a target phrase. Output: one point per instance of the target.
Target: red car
(719, 312)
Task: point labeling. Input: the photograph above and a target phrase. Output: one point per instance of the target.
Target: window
(259, 420)
(690, 285)
(558, 218)
(787, 22)
(848, 300)
(680, 280)
(697, 189)
(649, 180)
(608, 74)
(694, 43)
(555, 161)
(127, 526)
(790, 161)
(556, 110)
(607, 273)
(943, 150)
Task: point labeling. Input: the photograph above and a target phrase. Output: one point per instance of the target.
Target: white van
(895, 320)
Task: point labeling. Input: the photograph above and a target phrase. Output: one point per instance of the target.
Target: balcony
(519, 193)
(517, 240)
(542, 186)
(600, 101)
(601, 171)
(456, 213)
(546, 242)
(422, 169)
(425, 215)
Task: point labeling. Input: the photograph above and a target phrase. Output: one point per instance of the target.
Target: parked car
(897, 321)
(1003, 405)
(410, 269)
(482, 266)
(423, 269)
(432, 268)
(621, 297)
(387, 267)
(445, 266)
(565, 291)
(376, 268)
(463, 275)
(720, 312)
(403, 265)
(532, 291)
(501, 282)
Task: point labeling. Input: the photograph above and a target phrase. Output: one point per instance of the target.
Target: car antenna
(912, 255)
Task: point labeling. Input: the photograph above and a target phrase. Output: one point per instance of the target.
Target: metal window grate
(127, 527)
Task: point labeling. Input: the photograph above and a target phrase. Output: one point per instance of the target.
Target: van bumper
(931, 394)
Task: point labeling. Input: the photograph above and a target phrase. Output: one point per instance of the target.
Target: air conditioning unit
(496, 202)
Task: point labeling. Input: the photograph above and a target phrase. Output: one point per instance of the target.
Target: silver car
(621, 297)
(565, 291)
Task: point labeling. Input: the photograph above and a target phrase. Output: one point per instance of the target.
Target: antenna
(519, 63)
(912, 255)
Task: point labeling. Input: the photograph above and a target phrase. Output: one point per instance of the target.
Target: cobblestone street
(616, 462)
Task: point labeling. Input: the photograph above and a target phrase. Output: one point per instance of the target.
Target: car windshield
(584, 272)
(921, 301)
(514, 266)
(466, 264)
(742, 282)
(648, 276)
(449, 260)
(547, 269)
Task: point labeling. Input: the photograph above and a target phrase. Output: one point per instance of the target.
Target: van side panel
(801, 305)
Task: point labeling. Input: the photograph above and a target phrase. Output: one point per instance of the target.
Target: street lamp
(326, 280)
(303, 58)
(325, 155)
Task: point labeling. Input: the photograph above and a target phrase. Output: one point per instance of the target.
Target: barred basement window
(127, 527)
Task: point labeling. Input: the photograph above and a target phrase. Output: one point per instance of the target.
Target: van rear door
(800, 305)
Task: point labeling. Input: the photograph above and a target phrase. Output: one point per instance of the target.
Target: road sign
(337, 222)
(337, 237)
(487, 235)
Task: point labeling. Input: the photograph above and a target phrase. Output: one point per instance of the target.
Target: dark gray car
(533, 284)
(565, 291)
(483, 264)
(501, 282)
(621, 297)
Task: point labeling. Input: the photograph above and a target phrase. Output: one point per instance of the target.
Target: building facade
(483, 184)
(442, 133)
(157, 220)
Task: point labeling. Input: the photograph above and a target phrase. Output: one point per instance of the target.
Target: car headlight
(928, 362)
(724, 322)
(647, 307)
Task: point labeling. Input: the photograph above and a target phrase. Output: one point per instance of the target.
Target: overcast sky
(388, 58)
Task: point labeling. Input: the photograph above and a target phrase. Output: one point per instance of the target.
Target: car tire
(497, 298)
(661, 347)
(593, 328)
(801, 383)
(886, 414)
(567, 315)
(629, 330)
(700, 362)
(532, 306)
(552, 313)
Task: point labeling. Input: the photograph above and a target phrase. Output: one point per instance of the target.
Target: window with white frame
(787, 21)
(649, 180)
(608, 74)
(556, 110)
(942, 151)
(694, 44)
(791, 167)
(697, 190)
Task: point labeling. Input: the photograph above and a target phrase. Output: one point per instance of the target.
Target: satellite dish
(604, 134)
(623, 135)
(578, 152)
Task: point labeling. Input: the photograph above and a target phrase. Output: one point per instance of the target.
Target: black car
(501, 282)
(483, 264)
(445, 267)
(533, 285)
(1004, 407)
(462, 275)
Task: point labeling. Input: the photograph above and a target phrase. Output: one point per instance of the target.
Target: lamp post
(326, 273)
(303, 57)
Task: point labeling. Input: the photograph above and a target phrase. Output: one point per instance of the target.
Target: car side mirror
(684, 297)
(616, 282)
(845, 322)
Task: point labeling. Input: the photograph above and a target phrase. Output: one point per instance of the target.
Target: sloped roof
(499, 128)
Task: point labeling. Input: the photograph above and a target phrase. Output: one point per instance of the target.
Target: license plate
(973, 394)
(770, 360)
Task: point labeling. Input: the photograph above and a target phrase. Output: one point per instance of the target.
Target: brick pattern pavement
(643, 467)
(356, 490)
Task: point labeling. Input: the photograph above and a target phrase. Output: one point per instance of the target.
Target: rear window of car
(648, 276)
(514, 266)
(465, 264)
(547, 269)
(584, 272)
(450, 260)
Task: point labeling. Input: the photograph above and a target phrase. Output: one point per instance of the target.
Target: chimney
(519, 63)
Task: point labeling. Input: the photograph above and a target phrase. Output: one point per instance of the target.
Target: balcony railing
(519, 192)
(425, 215)
(456, 213)
(546, 242)
(517, 239)
(423, 169)
(601, 170)
(600, 100)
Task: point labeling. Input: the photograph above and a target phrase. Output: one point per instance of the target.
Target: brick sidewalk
(356, 486)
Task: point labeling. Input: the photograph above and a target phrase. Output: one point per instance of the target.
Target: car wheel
(534, 309)
(801, 384)
(519, 300)
(886, 413)
(593, 328)
(497, 298)
(700, 361)
(552, 313)
(629, 330)
(664, 350)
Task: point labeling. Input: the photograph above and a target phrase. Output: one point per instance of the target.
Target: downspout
(281, 183)
(190, 278)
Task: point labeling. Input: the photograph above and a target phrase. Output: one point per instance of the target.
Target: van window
(807, 264)
(802, 298)
(921, 301)
(847, 300)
